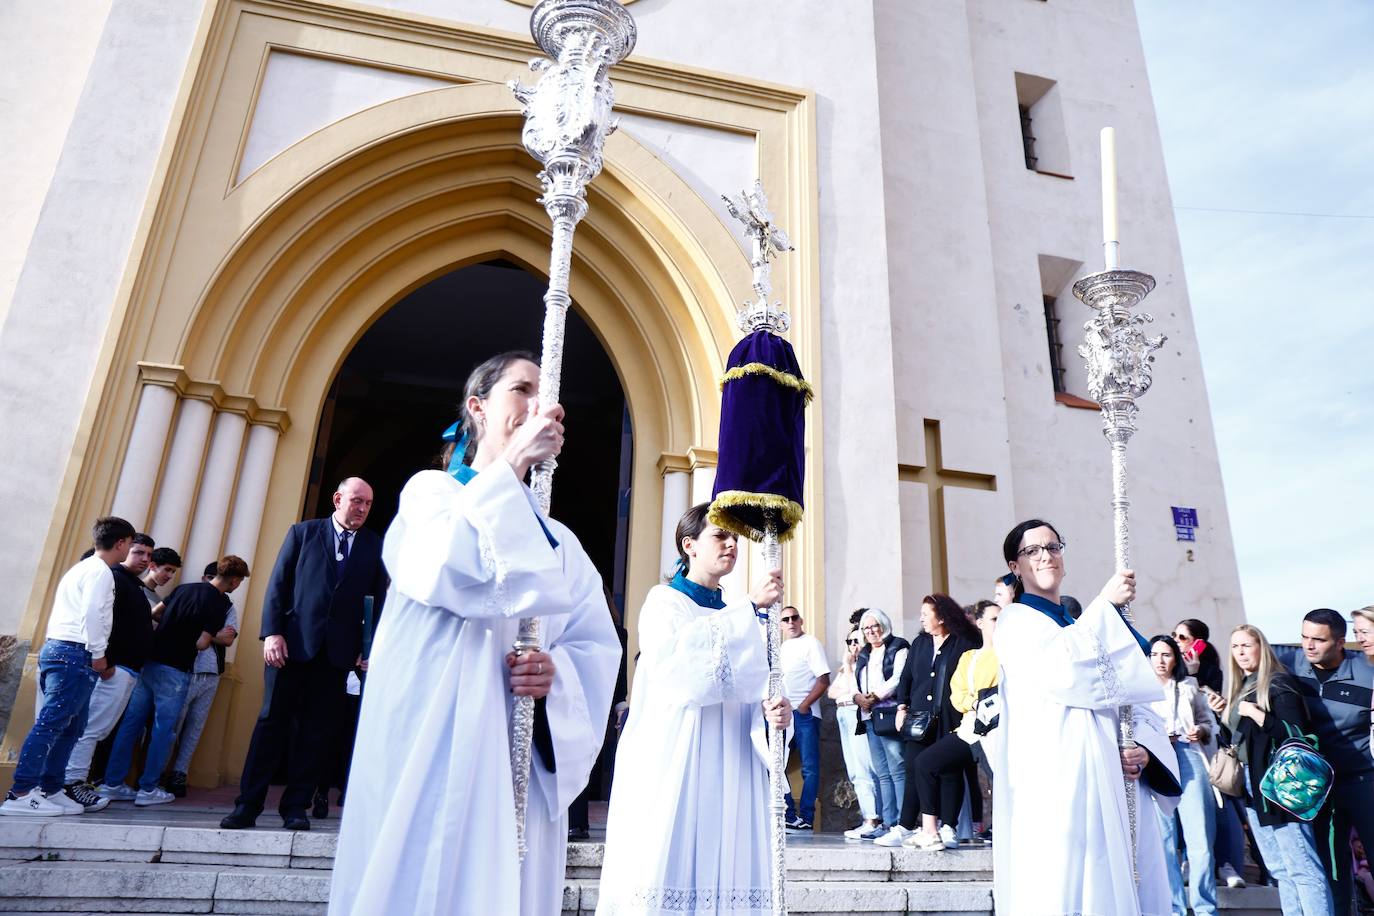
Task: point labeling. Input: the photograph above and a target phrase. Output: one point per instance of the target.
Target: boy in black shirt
(188, 619)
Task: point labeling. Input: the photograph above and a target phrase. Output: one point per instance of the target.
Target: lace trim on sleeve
(688, 900)
(497, 599)
(722, 675)
(1111, 682)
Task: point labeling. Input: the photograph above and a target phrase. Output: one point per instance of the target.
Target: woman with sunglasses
(878, 671)
(857, 761)
(1064, 841)
(1199, 655)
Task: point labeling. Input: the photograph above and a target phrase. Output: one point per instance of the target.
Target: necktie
(342, 555)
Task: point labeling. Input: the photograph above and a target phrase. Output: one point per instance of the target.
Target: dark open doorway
(400, 386)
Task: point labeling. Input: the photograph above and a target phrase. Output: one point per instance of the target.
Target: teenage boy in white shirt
(71, 661)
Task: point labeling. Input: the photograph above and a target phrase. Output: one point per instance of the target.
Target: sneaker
(32, 803)
(857, 833)
(893, 837)
(154, 796)
(947, 837)
(926, 842)
(120, 792)
(68, 804)
(984, 836)
(1228, 874)
(797, 825)
(874, 832)
(176, 784)
(84, 795)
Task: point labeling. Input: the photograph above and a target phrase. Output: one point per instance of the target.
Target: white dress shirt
(83, 608)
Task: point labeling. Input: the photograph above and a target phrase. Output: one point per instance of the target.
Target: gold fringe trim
(789, 510)
(782, 378)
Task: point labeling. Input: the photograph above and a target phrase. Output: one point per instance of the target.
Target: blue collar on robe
(705, 597)
(465, 475)
(1059, 615)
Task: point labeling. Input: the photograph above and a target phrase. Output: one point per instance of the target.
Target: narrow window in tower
(1044, 139)
(1027, 138)
(1056, 347)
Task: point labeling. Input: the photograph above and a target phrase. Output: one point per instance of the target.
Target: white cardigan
(1183, 706)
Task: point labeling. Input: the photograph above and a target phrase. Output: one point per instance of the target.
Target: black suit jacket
(315, 608)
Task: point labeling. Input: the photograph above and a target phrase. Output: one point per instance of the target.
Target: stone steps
(134, 862)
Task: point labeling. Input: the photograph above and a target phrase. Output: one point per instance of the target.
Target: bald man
(312, 632)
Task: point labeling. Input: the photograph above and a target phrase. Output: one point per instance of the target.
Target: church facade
(218, 200)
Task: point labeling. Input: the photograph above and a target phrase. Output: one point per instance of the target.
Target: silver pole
(1118, 355)
(567, 120)
(777, 746)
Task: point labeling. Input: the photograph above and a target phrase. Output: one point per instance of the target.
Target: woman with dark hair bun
(429, 826)
(924, 713)
(1063, 838)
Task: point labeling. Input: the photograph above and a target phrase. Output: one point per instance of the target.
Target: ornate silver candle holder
(1118, 355)
(567, 120)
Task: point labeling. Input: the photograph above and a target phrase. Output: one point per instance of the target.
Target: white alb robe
(688, 822)
(429, 823)
(1061, 833)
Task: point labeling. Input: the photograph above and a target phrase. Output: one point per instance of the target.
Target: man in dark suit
(312, 628)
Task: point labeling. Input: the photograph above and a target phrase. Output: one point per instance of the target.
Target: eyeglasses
(1183, 636)
(852, 642)
(1033, 551)
(792, 619)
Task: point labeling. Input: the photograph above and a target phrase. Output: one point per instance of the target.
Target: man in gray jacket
(1338, 686)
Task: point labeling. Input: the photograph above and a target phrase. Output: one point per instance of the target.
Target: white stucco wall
(1059, 458)
(47, 47)
(75, 261)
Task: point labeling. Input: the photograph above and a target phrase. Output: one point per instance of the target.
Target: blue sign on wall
(1185, 523)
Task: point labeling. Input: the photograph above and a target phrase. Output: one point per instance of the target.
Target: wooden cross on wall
(936, 477)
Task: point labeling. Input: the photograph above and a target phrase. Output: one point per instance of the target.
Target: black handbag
(884, 721)
(915, 725)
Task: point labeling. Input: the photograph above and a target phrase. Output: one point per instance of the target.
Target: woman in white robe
(1061, 834)
(429, 826)
(688, 823)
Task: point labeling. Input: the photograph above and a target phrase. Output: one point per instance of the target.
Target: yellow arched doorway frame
(434, 192)
(441, 183)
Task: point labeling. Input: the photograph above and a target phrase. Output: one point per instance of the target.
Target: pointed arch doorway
(400, 386)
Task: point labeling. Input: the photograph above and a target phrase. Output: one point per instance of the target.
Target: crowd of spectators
(131, 663)
(913, 714)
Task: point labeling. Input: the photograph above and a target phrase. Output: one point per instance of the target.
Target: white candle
(1110, 235)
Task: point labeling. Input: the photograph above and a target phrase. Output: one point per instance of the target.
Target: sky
(1268, 105)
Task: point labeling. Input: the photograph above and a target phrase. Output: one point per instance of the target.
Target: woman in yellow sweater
(949, 763)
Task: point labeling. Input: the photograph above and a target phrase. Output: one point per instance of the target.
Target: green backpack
(1298, 778)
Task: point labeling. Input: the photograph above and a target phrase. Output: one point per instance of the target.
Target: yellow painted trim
(702, 457)
(668, 463)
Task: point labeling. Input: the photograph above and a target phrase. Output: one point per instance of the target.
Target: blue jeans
(891, 772)
(1197, 815)
(857, 761)
(806, 738)
(1291, 857)
(160, 694)
(66, 679)
(1229, 848)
